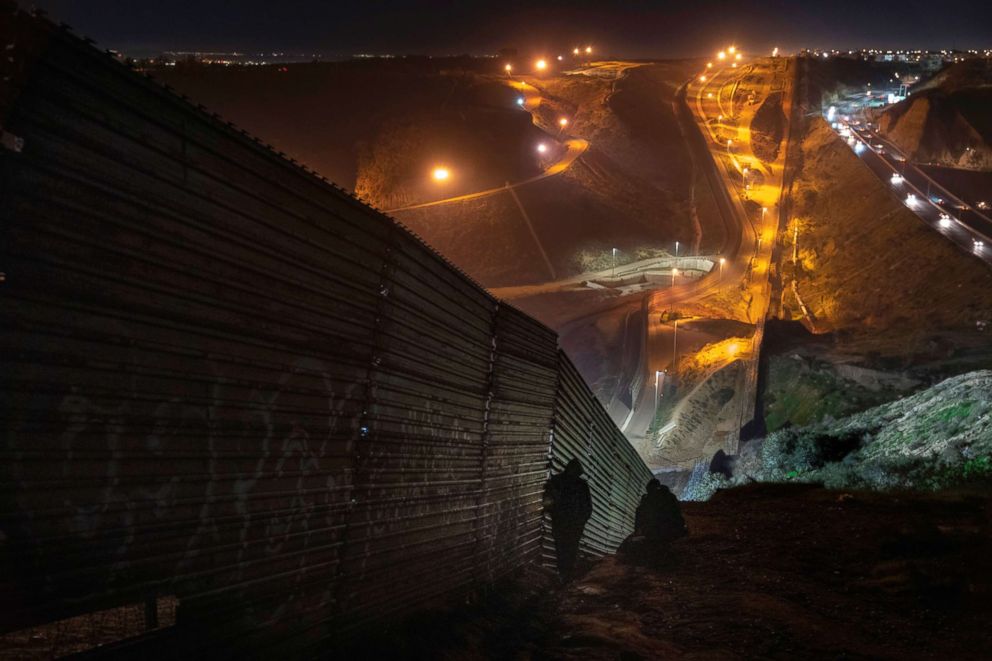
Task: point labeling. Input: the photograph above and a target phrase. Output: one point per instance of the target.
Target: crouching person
(657, 522)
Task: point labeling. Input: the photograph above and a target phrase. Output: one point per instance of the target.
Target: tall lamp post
(614, 274)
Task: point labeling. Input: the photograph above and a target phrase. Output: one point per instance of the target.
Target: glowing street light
(508, 68)
(588, 50)
(613, 275)
(733, 66)
(520, 101)
(775, 52)
(563, 122)
(732, 49)
(723, 260)
(709, 65)
(575, 51)
(441, 174)
(675, 272)
(560, 58)
(737, 57)
(721, 55)
(702, 79)
(541, 65)
(542, 148)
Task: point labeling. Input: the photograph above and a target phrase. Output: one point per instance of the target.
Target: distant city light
(560, 58)
(775, 52)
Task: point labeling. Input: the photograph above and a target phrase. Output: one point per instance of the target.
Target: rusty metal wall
(225, 379)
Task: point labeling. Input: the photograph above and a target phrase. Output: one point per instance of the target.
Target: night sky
(636, 28)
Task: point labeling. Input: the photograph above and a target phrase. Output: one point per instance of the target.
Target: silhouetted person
(659, 518)
(567, 500)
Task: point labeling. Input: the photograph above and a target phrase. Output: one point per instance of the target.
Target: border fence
(227, 382)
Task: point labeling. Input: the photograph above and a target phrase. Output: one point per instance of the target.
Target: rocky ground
(768, 571)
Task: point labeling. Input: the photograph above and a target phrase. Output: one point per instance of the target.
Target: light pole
(676, 252)
(675, 347)
(657, 378)
(723, 260)
(614, 275)
(675, 272)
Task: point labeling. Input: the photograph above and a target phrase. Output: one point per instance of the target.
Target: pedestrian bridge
(237, 400)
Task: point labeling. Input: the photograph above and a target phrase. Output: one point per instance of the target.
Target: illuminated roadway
(712, 102)
(962, 225)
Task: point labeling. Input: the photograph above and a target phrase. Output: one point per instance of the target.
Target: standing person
(567, 500)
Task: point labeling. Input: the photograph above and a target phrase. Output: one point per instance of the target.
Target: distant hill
(946, 120)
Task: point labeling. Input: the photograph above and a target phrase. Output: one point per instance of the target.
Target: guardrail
(228, 381)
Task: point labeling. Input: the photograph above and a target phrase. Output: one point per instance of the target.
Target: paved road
(955, 220)
(713, 119)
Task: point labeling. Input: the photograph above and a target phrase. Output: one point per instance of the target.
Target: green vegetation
(801, 392)
(937, 439)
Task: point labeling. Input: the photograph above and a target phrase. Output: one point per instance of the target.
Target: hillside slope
(938, 438)
(868, 267)
(946, 120)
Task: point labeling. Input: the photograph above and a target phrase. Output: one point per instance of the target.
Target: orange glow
(709, 65)
(732, 348)
(732, 49)
(541, 65)
(563, 121)
(737, 57)
(588, 49)
(509, 68)
(575, 51)
(441, 173)
(721, 55)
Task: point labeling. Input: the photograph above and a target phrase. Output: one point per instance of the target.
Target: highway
(955, 220)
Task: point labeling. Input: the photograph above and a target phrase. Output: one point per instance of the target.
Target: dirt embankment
(944, 129)
(946, 121)
(768, 128)
(867, 266)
